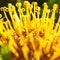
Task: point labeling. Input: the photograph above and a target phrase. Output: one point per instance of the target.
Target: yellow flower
(32, 35)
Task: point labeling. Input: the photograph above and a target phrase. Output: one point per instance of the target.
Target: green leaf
(1, 57)
(5, 52)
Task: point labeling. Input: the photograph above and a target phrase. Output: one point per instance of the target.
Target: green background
(50, 2)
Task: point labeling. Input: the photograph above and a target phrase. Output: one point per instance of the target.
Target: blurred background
(49, 2)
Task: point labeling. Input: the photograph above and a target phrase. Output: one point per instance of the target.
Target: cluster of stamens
(29, 36)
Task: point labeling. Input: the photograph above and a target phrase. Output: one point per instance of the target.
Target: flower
(32, 36)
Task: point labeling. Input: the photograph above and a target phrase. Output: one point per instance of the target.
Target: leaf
(5, 52)
(1, 57)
